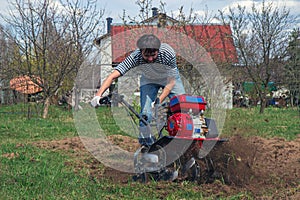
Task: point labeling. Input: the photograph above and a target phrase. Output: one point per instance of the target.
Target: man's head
(149, 45)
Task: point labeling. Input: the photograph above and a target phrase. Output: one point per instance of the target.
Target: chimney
(109, 21)
(154, 11)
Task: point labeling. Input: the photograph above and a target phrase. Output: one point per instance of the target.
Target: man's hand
(95, 101)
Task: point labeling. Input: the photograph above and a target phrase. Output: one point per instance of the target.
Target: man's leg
(148, 93)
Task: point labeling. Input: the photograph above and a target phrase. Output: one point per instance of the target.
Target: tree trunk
(263, 103)
(46, 107)
(76, 92)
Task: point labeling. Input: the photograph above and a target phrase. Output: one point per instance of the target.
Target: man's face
(149, 56)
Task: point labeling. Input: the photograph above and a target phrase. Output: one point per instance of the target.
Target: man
(157, 64)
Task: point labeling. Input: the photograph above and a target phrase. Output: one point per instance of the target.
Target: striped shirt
(166, 57)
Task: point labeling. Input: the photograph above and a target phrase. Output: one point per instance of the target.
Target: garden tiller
(184, 136)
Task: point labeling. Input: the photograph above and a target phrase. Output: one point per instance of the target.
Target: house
(193, 43)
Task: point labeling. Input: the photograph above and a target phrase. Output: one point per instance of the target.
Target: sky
(114, 8)
(198, 5)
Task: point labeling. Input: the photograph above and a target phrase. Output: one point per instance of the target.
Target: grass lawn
(274, 122)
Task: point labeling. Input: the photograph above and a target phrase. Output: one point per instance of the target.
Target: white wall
(106, 58)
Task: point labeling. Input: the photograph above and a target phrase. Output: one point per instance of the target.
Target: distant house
(120, 41)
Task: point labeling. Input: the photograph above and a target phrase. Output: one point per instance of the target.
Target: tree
(52, 41)
(292, 67)
(260, 37)
(3, 52)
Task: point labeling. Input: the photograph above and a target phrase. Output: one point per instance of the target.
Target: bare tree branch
(52, 40)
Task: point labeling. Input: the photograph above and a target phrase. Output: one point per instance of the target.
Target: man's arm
(107, 82)
(170, 60)
(121, 69)
(167, 89)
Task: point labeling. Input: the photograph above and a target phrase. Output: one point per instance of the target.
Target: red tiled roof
(25, 85)
(215, 39)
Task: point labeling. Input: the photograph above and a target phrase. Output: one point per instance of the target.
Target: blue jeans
(148, 95)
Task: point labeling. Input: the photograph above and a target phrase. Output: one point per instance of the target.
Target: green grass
(115, 121)
(29, 172)
(274, 122)
(38, 174)
(15, 124)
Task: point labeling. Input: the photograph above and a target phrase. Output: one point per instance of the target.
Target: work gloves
(95, 101)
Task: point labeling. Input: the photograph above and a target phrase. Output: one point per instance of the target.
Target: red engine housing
(180, 125)
(186, 103)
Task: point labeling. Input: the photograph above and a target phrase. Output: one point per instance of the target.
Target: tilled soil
(256, 165)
